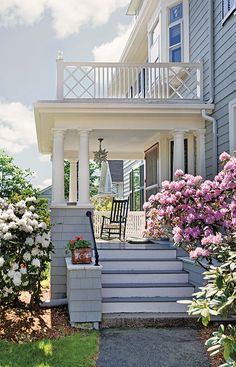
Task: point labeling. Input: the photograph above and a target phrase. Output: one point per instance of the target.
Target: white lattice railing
(158, 81)
(135, 223)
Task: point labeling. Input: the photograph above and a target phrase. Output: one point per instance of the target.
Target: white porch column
(201, 156)
(178, 150)
(73, 180)
(163, 158)
(58, 195)
(84, 198)
(191, 157)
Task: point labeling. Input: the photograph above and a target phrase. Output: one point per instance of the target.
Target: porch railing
(135, 223)
(151, 81)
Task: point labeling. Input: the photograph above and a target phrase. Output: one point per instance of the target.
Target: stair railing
(89, 215)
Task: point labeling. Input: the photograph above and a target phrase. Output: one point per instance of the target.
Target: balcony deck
(146, 83)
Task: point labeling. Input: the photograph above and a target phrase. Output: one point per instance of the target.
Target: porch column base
(84, 293)
(67, 222)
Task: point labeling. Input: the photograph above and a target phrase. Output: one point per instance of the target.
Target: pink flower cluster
(195, 212)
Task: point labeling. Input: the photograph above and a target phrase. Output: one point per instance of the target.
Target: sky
(31, 33)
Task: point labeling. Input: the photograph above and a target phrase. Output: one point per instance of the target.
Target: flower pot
(81, 256)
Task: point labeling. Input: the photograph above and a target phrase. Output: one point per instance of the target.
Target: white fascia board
(139, 31)
(133, 7)
(119, 108)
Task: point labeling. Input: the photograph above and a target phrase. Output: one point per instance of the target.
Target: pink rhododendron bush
(199, 215)
(25, 249)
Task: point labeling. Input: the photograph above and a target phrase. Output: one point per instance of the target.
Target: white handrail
(155, 81)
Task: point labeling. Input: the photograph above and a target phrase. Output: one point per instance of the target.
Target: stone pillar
(73, 180)
(178, 150)
(84, 199)
(191, 154)
(84, 293)
(58, 195)
(201, 156)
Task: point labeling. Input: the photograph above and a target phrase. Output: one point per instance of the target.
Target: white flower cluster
(24, 245)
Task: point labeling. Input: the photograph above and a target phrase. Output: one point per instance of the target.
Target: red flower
(72, 242)
(78, 237)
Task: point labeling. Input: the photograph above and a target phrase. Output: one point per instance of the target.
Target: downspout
(54, 303)
(205, 116)
(211, 119)
(211, 52)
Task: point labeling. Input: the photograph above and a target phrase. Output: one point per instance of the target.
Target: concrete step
(141, 264)
(142, 304)
(147, 290)
(144, 276)
(137, 253)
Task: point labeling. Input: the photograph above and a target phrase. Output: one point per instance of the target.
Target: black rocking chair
(116, 224)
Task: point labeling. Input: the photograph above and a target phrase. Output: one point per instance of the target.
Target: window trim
(151, 43)
(229, 13)
(153, 147)
(170, 25)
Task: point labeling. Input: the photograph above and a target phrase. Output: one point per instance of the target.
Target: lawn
(78, 350)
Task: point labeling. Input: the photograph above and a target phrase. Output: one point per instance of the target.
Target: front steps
(142, 278)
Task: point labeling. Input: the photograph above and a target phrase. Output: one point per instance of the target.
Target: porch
(150, 112)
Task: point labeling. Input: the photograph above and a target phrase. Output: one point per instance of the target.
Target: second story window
(228, 6)
(155, 43)
(176, 33)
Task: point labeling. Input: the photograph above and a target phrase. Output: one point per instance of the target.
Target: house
(209, 36)
(170, 101)
(46, 193)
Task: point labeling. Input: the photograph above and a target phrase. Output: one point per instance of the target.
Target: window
(151, 157)
(228, 6)
(137, 188)
(155, 43)
(176, 33)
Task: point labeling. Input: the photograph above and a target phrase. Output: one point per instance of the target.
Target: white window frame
(232, 10)
(152, 44)
(162, 13)
(170, 25)
(181, 43)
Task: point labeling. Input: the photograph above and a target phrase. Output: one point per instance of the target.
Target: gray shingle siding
(199, 50)
(224, 56)
(199, 35)
(224, 73)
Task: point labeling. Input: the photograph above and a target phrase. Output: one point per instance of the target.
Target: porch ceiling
(127, 129)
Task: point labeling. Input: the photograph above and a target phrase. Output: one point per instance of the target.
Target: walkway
(166, 347)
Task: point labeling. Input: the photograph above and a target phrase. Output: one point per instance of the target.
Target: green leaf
(227, 351)
(219, 281)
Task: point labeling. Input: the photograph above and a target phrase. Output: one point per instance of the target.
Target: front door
(151, 170)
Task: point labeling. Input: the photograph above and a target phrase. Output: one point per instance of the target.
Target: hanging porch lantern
(105, 184)
(101, 155)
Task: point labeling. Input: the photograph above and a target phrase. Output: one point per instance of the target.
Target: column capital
(58, 131)
(201, 132)
(73, 160)
(84, 132)
(179, 132)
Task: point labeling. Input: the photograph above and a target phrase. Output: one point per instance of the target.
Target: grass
(78, 350)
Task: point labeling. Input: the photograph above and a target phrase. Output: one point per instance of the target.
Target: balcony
(151, 82)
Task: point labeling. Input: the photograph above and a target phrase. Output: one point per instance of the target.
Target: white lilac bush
(25, 249)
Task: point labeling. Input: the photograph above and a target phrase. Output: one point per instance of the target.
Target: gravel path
(166, 347)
